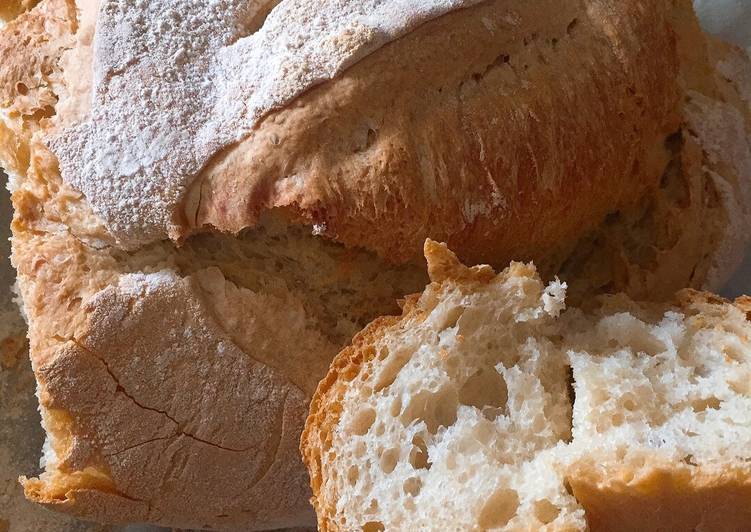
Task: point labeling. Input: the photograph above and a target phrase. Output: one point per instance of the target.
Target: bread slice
(174, 375)
(490, 405)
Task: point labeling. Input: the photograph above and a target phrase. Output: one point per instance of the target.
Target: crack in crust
(179, 431)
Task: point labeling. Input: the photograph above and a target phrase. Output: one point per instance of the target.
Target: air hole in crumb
(545, 511)
(360, 449)
(380, 429)
(373, 526)
(733, 353)
(570, 389)
(700, 371)
(741, 386)
(383, 353)
(45, 112)
(418, 455)
(499, 509)
(363, 420)
(485, 388)
(491, 414)
(435, 409)
(396, 407)
(617, 420)
(22, 89)
(389, 459)
(711, 403)
(629, 405)
(391, 368)
(352, 475)
(412, 486)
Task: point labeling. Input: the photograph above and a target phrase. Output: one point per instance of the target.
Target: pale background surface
(20, 434)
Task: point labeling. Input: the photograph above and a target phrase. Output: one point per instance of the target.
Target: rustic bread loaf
(487, 406)
(211, 199)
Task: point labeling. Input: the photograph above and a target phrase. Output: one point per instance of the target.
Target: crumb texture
(489, 407)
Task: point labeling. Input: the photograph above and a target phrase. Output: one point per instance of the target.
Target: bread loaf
(211, 199)
(489, 405)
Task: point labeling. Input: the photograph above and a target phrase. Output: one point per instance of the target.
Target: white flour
(175, 81)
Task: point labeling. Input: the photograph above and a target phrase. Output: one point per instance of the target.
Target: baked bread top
(489, 405)
(198, 356)
(418, 139)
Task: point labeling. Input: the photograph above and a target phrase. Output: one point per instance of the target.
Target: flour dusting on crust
(174, 81)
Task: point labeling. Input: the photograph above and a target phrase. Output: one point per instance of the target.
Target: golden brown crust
(691, 231)
(10, 9)
(671, 497)
(325, 408)
(147, 377)
(444, 265)
(215, 448)
(485, 145)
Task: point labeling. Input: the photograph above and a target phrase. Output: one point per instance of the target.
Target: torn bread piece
(489, 405)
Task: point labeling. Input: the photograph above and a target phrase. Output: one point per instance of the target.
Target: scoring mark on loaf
(214, 70)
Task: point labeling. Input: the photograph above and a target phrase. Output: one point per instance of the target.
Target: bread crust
(663, 497)
(12, 8)
(160, 401)
(325, 410)
(466, 151)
